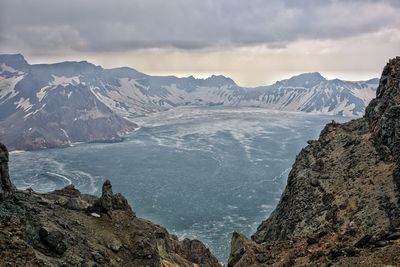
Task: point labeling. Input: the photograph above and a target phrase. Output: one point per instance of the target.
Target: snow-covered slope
(318, 95)
(131, 97)
(49, 105)
(54, 104)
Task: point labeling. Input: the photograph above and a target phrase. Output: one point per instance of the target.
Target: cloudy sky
(254, 42)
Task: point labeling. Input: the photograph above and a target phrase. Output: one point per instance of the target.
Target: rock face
(67, 228)
(341, 203)
(6, 187)
(383, 113)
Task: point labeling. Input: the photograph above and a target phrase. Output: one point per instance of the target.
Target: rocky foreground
(340, 208)
(341, 203)
(67, 228)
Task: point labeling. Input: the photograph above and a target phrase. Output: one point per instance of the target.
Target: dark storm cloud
(43, 26)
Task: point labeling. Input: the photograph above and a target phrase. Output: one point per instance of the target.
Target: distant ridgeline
(49, 105)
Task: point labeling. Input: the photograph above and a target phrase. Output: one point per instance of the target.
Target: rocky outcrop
(341, 203)
(67, 228)
(383, 115)
(194, 251)
(6, 187)
(110, 201)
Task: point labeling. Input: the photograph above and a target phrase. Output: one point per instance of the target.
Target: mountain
(341, 205)
(311, 92)
(67, 228)
(48, 105)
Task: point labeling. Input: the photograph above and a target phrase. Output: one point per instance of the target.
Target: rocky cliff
(341, 203)
(67, 228)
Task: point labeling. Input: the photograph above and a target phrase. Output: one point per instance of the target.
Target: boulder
(115, 245)
(76, 203)
(53, 239)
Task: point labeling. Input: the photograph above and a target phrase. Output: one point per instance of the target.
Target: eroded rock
(110, 201)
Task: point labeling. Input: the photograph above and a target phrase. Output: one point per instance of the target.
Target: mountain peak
(82, 63)
(305, 79)
(125, 72)
(315, 74)
(68, 67)
(16, 61)
(220, 80)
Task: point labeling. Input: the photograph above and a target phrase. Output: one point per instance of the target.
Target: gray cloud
(48, 26)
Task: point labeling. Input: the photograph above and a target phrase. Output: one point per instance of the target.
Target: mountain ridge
(20, 57)
(50, 105)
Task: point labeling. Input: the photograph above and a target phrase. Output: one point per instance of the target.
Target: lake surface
(200, 172)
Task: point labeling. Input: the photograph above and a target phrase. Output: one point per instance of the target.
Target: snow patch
(366, 94)
(64, 132)
(34, 112)
(7, 87)
(64, 81)
(42, 93)
(24, 104)
(4, 67)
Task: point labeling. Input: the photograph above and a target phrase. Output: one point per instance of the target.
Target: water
(200, 172)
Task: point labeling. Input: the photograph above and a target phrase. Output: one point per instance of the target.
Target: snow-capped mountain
(311, 92)
(48, 105)
(137, 95)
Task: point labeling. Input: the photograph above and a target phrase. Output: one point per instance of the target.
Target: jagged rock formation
(110, 201)
(341, 204)
(67, 228)
(383, 113)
